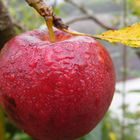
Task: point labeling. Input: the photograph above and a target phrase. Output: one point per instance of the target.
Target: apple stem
(49, 22)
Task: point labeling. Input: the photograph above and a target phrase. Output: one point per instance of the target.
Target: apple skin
(55, 91)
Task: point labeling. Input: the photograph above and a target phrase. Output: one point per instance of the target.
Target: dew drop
(83, 83)
(58, 91)
(71, 91)
(12, 61)
(20, 70)
(48, 63)
(12, 77)
(57, 50)
(33, 64)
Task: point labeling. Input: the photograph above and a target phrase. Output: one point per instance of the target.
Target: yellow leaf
(129, 36)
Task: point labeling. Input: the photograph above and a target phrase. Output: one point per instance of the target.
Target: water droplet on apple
(71, 91)
(57, 50)
(83, 84)
(49, 63)
(24, 91)
(33, 64)
(11, 77)
(12, 61)
(78, 89)
(66, 76)
(70, 47)
(20, 70)
(58, 91)
(22, 84)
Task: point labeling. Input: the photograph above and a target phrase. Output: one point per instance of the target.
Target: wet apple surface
(55, 91)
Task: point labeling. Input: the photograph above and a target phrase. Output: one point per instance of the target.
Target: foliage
(128, 36)
(135, 7)
(13, 133)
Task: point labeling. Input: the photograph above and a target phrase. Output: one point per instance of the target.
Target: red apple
(55, 91)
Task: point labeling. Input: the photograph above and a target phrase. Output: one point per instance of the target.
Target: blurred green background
(122, 122)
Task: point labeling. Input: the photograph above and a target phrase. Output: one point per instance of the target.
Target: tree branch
(77, 19)
(47, 12)
(89, 14)
(6, 26)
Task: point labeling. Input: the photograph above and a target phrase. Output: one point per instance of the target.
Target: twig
(6, 27)
(77, 19)
(46, 11)
(89, 13)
